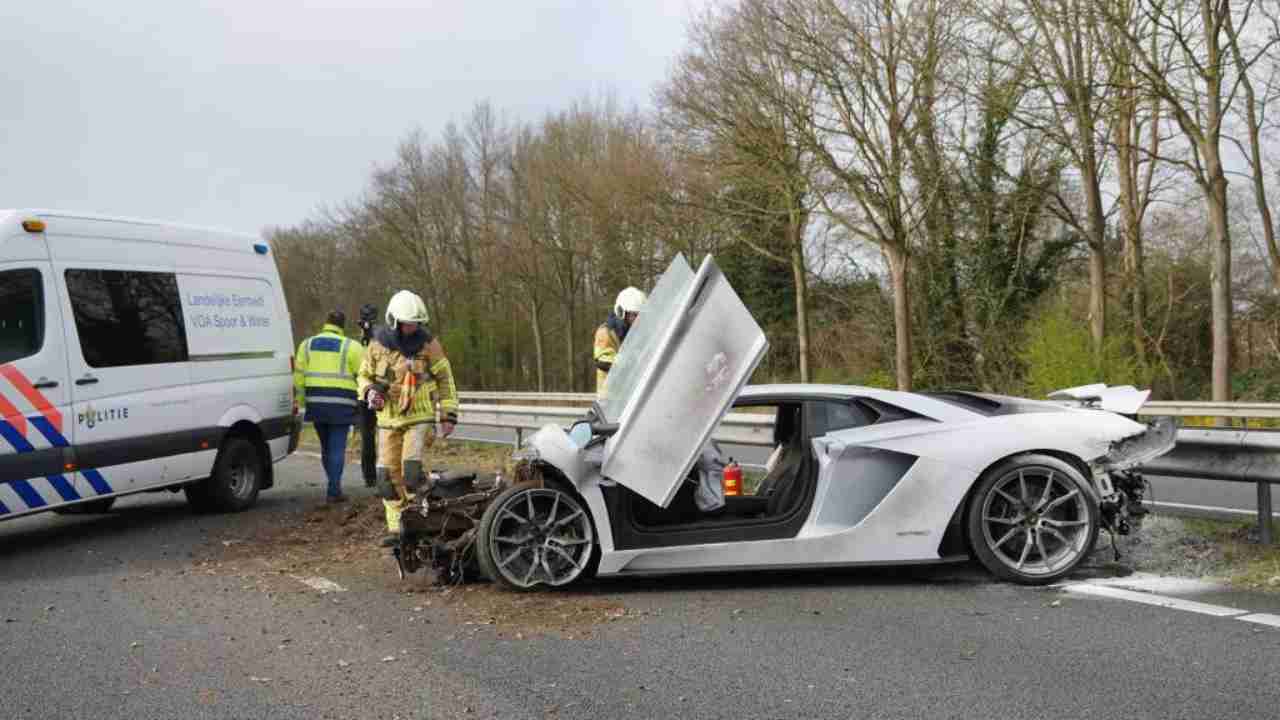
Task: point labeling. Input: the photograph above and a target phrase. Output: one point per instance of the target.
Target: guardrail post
(1264, 512)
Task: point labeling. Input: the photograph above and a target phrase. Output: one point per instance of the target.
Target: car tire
(237, 477)
(1032, 519)
(93, 507)
(535, 536)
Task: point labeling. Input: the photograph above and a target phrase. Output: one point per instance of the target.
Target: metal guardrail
(1223, 454)
(1190, 408)
(551, 397)
(1155, 408)
(736, 429)
(1229, 455)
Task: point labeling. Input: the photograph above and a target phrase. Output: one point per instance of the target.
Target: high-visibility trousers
(396, 449)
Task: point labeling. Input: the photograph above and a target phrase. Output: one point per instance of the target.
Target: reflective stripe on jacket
(434, 384)
(324, 376)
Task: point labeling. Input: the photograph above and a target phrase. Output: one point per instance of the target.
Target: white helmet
(629, 300)
(406, 307)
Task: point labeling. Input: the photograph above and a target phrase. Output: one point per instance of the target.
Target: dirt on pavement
(340, 542)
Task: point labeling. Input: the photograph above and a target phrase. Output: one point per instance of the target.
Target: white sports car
(855, 475)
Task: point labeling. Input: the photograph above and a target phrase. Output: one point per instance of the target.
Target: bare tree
(1190, 67)
(1135, 126)
(1058, 45)
(862, 55)
(1247, 56)
(727, 99)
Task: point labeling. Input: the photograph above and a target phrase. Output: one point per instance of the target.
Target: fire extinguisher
(732, 478)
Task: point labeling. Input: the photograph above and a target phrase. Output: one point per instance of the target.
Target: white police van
(137, 356)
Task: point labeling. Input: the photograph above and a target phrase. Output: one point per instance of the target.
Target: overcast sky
(247, 113)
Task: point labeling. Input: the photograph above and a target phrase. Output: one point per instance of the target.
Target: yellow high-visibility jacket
(605, 354)
(324, 376)
(384, 363)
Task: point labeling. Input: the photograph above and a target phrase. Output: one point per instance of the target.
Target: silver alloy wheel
(1036, 520)
(541, 536)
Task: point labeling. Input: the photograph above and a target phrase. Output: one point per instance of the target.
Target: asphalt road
(1182, 495)
(117, 616)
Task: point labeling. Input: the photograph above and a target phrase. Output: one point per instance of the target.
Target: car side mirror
(603, 429)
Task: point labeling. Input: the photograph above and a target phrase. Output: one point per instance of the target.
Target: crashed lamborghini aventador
(853, 475)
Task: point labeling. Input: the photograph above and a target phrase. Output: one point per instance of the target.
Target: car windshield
(656, 317)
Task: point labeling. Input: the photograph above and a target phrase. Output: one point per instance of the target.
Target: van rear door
(34, 430)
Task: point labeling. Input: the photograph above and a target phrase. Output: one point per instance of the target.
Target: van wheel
(237, 476)
(93, 507)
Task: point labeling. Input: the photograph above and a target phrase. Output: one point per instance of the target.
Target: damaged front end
(439, 529)
(1118, 478)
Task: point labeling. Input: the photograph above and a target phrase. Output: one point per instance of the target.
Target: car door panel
(708, 349)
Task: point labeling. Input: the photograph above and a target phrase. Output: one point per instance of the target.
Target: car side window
(845, 415)
(127, 318)
(21, 314)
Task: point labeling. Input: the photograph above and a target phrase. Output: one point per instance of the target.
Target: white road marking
(1144, 598)
(324, 585)
(1148, 583)
(1206, 509)
(1262, 619)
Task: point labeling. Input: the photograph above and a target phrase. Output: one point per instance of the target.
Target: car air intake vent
(968, 401)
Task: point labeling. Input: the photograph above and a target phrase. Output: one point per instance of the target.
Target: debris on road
(324, 585)
(332, 549)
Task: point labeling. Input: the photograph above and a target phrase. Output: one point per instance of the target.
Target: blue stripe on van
(55, 439)
(4, 509)
(10, 433)
(27, 493)
(64, 488)
(50, 433)
(98, 482)
(326, 344)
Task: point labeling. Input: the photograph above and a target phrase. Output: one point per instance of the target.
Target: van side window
(21, 314)
(127, 318)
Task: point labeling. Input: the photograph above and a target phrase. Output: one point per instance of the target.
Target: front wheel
(1032, 519)
(533, 536)
(237, 476)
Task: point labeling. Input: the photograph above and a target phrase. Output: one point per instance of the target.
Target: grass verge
(1193, 547)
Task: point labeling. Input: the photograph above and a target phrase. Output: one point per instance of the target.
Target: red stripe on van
(33, 396)
(11, 414)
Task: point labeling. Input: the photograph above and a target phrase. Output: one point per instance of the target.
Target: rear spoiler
(1122, 399)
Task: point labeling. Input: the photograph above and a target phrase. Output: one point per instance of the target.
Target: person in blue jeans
(324, 380)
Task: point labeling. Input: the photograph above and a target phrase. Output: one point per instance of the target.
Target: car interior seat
(781, 486)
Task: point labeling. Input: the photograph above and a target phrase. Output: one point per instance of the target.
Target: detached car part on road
(857, 476)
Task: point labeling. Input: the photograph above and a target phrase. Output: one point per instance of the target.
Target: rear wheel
(237, 477)
(533, 536)
(1032, 519)
(93, 507)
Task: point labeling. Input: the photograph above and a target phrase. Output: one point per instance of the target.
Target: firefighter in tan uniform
(612, 332)
(403, 375)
